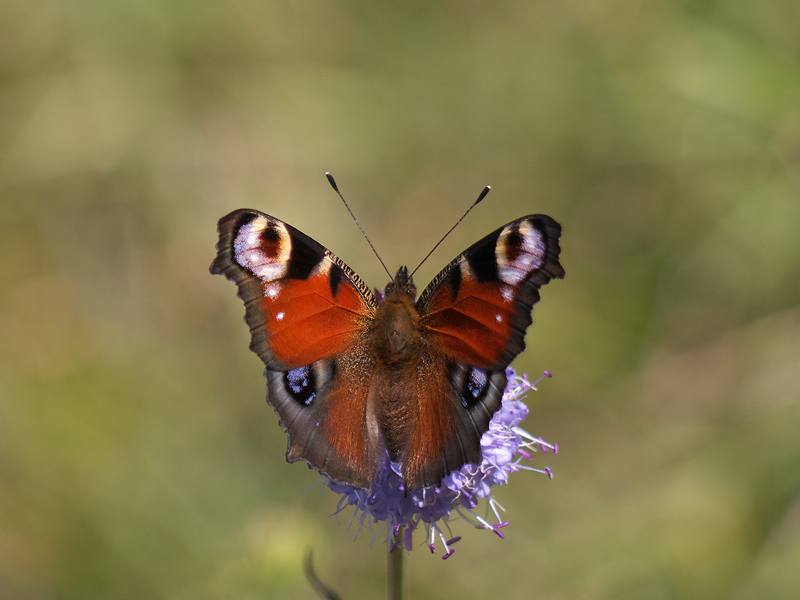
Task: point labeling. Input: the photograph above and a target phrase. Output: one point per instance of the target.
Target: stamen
(448, 551)
(494, 506)
(318, 480)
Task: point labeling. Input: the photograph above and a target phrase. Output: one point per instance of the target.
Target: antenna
(336, 189)
(474, 204)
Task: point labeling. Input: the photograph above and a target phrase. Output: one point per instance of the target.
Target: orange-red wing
(302, 303)
(323, 408)
(478, 308)
(453, 406)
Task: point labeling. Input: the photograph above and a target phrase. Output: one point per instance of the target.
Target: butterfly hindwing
(323, 409)
(455, 404)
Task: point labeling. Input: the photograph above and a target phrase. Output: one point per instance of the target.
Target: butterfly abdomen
(396, 344)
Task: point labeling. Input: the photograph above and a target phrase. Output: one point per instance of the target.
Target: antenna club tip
(332, 181)
(483, 194)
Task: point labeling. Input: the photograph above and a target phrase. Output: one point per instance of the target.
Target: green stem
(394, 571)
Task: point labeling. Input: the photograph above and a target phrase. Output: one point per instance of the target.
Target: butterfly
(354, 375)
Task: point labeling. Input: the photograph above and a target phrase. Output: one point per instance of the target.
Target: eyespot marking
(475, 386)
(301, 383)
(262, 246)
(520, 250)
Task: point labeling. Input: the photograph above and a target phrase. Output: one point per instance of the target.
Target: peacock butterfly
(353, 375)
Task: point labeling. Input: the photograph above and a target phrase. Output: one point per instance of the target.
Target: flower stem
(394, 572)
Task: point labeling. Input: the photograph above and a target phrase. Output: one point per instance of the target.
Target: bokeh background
(138, 458)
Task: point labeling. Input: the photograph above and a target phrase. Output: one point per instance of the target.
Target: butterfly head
(402, 285)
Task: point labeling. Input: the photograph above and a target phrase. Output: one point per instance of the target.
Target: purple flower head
(504, 446)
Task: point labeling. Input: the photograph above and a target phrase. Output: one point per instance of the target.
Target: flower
(504, 446)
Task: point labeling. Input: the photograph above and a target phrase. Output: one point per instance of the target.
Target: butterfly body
(354, 376)
(396, 335)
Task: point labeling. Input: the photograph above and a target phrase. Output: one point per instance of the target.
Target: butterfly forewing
(302, 303)
(479, 306)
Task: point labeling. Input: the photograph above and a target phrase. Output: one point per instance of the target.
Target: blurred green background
(138, 458)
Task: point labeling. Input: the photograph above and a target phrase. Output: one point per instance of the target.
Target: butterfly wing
(474, 315)
(454, 405)
(479, 306)
(302, 302)
(323, 408)
(309, 315)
